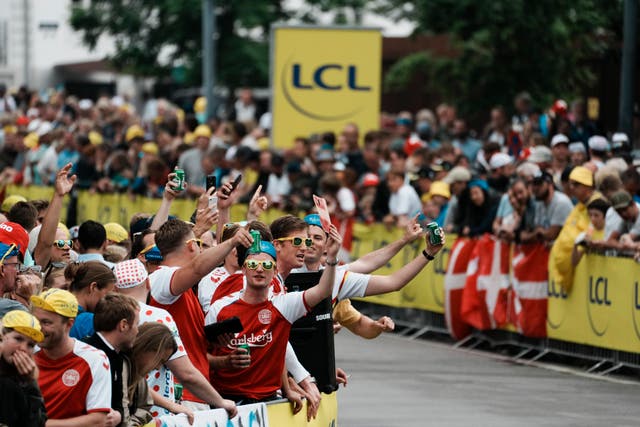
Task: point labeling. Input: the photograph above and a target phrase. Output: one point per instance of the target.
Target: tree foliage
(506, 46)
(153, 36)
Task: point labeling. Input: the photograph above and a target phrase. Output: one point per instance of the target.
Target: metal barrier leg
(463, 341)
(522, 353)
(596, 366)
(420, 332)
(539, 355)
(611, 369)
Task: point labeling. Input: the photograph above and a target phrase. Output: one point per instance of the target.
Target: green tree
(506, 46)
(154, 36)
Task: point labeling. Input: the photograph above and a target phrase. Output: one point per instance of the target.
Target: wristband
(427, 256)
(332, 264)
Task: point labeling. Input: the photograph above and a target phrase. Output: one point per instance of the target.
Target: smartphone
(211, 181)
(230, 325)
(235, 183)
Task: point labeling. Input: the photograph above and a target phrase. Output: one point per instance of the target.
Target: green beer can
(435, 235)
(179, 179)
(177, 392)
(245, 346)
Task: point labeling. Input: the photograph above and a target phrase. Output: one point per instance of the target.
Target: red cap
(11, 232)
(412, 144)
(560, 107)
(370, 180)
(22, 121)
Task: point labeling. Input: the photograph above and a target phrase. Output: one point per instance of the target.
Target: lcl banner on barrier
(323, 78)
(603, 307)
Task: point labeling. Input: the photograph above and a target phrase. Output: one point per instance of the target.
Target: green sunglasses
(297, 241)
(252, 264)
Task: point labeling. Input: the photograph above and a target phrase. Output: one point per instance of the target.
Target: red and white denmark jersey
(209, 284)
(266, 329)
(76, 384)
(187, 314)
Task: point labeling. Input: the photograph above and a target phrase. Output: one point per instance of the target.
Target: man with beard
(552, 209)
(502, 168)
(74, 377)
(116, 324)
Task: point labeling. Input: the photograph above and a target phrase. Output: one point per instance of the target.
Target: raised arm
(257, 205)
(374, 260)
(226, 197)
(322, 290)
(169, 194)
(186, 277)
(63, 185)
(399, 278)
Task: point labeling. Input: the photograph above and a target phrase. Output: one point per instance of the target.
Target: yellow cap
(200, 105)
(189, 137)
(440, 188)
(582, 175)
(8, 202)
(180, 114)
(31, 140)
(202, 131)
(116, 232)
(95, 138)
(57, 301)
(64, 228)
(133, 132)
(24, 323)
(10, 129)
(263, 143)
(150, 148)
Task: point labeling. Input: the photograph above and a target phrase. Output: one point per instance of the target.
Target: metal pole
(627, 78)
(27, 43)
(208, 54)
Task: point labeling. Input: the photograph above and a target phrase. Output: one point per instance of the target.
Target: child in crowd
(594, 235)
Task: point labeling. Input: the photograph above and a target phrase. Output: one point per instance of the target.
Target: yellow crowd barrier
(602, 309)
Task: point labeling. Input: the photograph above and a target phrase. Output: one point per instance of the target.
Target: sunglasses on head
(62, 243)
(252, 264)
(30, 269)
(297, 241)
(198, 242)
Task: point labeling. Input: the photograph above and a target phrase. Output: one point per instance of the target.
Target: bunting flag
(530, 277)
(454, 282)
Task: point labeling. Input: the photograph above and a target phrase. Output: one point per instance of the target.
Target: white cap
(540, 154)
(598, 143)
(44, 128)
(265, 121)
(499, 160)
(620, 137)
(559, 139)
(85, 104)
(577, 147)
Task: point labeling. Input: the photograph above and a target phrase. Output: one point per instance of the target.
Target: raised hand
(434, 249)
(413, 230)
(334, 242)
(258, 203)
(64, 182)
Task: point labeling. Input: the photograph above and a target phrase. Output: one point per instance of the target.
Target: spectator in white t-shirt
(404, 202)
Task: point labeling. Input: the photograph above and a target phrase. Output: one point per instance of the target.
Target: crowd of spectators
(549, 177)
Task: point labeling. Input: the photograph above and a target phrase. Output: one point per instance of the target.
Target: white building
(38, 48)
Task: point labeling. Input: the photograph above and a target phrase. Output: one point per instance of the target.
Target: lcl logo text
(555, 291)
(598, 291)
(327, 77)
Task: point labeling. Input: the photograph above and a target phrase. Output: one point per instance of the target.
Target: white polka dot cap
(130, 273)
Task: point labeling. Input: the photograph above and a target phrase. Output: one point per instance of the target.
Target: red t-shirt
(76, 384)
(266, 329)
(187, 314)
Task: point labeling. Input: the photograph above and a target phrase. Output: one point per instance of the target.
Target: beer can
(257, 238)
(435, 235)
(245, 346)
(177, 392)
(179, 179)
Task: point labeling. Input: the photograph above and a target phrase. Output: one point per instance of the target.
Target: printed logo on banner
(635, 308)
(555, 291)
(598, 305)
(299, 79)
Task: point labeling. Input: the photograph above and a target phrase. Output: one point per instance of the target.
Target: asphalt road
(399, 382)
